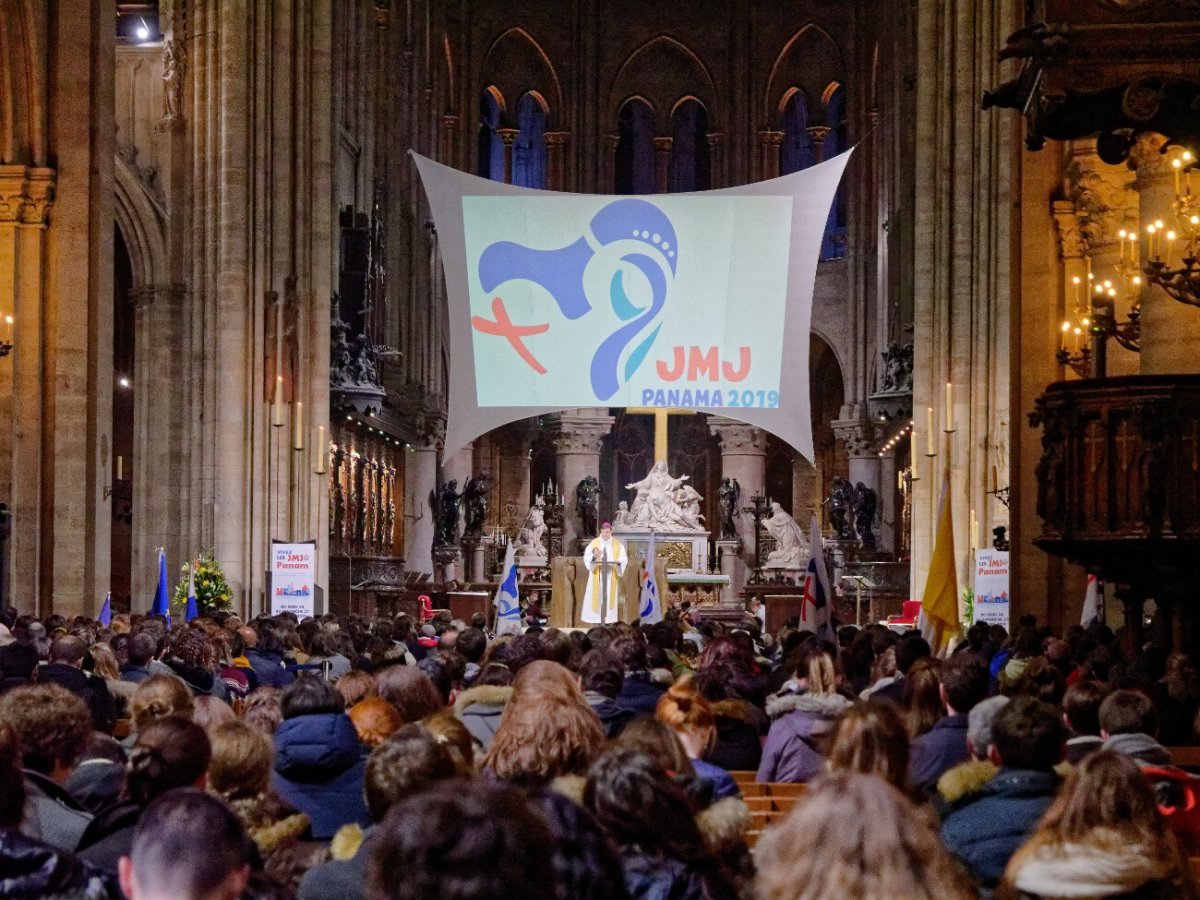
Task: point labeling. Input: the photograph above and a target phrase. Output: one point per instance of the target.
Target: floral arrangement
(212, 590)
(968, 607)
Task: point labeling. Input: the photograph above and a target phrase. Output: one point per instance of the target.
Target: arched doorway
(121, 552)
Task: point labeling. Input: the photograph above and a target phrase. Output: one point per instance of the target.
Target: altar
(683, 551)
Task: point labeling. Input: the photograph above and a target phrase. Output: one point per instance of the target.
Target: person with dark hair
(406, 763)
(52, 727)
(469, 841)
(640, 690)
(987, 826)
(601, 676)
(18, 661)
(1081, 710)
(190, 846)
(171, 753)
(652, 821)
(323, 648)
(266, 655)
(432, 668)
(964, 682)
(99, 773)
(471, 643)
(1129, 725)
(141, 651)
(65, 669)
(480, 706)
(410, 690)
(909, 649)
(28, 867)
(319, 761)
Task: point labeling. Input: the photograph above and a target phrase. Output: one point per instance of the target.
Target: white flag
(650, 604)
(1093, 611)
(508, 598)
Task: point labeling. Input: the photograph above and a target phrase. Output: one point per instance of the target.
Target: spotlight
(123, 381)
(143, 30)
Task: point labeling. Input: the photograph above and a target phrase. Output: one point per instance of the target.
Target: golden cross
(660, 414)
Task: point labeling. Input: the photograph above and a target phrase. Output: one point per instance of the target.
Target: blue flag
(193, 609)
(162, 599)
(507, 600)
(105, 617)
(651, 606)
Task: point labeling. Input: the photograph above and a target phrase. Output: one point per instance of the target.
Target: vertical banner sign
(293, 571)
(991, 587)
(701, 301)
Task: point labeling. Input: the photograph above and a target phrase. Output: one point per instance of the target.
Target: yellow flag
(939, 606)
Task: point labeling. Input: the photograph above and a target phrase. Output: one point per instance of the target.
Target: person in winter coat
(600, 676)
(964, 683)
(870, 738)
(986, 827)
(28, 867)
(741, 725)
(1102, 837)
(266, 657)
(65, 669)
(319, 760)
(802, 718)
(1129, 725)
(480, 706)
(642, 686)
(52, 726)
(691, 717)
(171, 753)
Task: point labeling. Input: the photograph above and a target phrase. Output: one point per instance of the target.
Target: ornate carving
(26, 194)
(737, 439)
(174, 66)
(475, 498)
(897, 369)
(580, 437)
(1102, 195)
(1071, 241)
(858, 435)
(1146, 158)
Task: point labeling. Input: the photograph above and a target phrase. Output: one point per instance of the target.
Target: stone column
(577, 440)
(420, 480)
(716, 163)
(806, 491)
(862, 450)
(1170, 330)
(768, 150)
(744, 457)
(556, 159)
(662, 163)
(509, 137)
(609, 179)
(817, 134)
(511, 484)
(449, 139)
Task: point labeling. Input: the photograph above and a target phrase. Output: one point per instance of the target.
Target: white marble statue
(529, 538)
(664, 502)
(790, 544)
(622, 517)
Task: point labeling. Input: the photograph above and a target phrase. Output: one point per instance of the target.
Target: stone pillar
(449, 140)
(511, 484)
(728, 551)
(509, 137)
(577, 440)
(420, 480)
(716, 162)
(556, 159)
(662, 163)
(1170, 330)
(806, 491)
(817, 134)
(744, 457)
(609, 178)
(768, 150)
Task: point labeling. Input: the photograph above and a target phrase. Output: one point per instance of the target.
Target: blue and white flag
(814, 612)
(162, 597)
(650, 604)
(105, 617)
(193, 610)
(1093, 607)
(508, 597)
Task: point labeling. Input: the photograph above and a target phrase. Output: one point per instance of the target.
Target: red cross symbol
(503, 327)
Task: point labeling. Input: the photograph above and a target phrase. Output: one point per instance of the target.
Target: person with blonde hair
(106, 665)
(1102, 837)
(870, 738)
(855, 835)
(158, 697)
(547, 729)
(691, 717)
(802, 718)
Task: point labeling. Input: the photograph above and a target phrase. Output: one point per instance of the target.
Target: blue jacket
(640, 693)
(937, 751)
(986, 827)
(269, 668)
(319, 765)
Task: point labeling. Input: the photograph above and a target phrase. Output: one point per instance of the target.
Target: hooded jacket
(612, 716)
(986, 827)
(937, 751)
(319, 765)
(269, 668)
(29, 868)
(800, 723)
(640, 690)
(51, 814)
(91, 688)
(1142, 748)
(1105, 864)
(738, 746)
(480, 708)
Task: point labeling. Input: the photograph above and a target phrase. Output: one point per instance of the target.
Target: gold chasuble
(613, 551)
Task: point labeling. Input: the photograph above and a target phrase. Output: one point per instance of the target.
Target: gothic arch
(810, 60)
(142, 222)
(22, 85)
(664, 72)
(515, 64)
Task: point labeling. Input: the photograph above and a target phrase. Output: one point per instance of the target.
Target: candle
(912, 448)
(298, 426)
(1066, 328)
(929, 451)
(973, 532)
(120, 468)
(277, 405)
(319, 451)
(949, 407)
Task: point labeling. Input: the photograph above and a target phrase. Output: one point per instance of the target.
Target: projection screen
(693, 301)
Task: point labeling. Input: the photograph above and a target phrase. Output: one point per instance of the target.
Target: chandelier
(1173, 251)
(1093, 319)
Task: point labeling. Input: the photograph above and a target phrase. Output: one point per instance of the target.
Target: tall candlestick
(319, 451)
(912, 449)
(277, 405)
(949, 407)
(973, 533)
(120, 468)
(929, 448)
(298, 426)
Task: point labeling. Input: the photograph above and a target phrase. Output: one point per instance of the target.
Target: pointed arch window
(833, 246)
(690, 165)
(529, 151)
(491, 147)
(795, 149)
(634, 163)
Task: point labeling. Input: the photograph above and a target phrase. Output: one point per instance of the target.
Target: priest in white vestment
(605, 552)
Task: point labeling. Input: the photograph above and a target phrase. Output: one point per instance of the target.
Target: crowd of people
(341, 757)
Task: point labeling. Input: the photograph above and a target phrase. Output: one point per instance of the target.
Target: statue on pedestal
(587, 501)
(728, 497)
(448, 507)
(789, 540)
(530, 537)
(864, 515)
(622, 517)
(475, 498)
(841, 501)
(665, 502)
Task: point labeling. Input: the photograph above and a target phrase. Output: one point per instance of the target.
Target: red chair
(908, 617)
(427, 610)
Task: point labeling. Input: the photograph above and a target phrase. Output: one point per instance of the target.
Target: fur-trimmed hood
(965, 778)
(1107, 864)
(484, 695)
(825, 706)
(662, 677)
(741, 710)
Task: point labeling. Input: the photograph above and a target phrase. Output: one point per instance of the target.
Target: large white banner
(698, 301)
(991, 587)
(293, 573)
